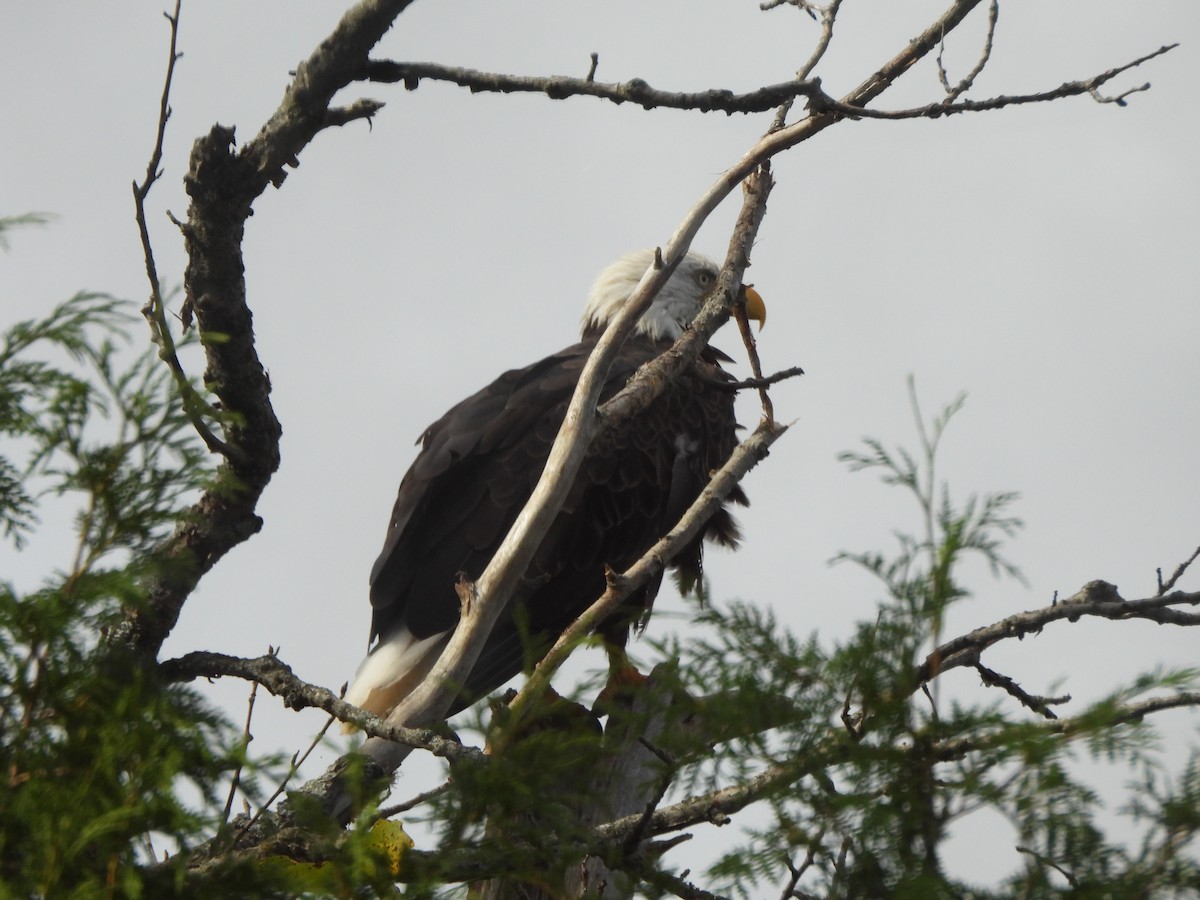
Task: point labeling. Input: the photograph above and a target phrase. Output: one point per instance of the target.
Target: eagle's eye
(705, 278)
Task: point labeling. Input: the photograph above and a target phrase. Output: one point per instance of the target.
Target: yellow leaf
(390, 838)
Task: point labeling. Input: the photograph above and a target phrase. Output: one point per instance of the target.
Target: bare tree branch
(305, 108)
(356, 111)
(717, 806)
(956, 91)
(828, 15)
(945, 108)
(1046, 861)
(764, 396)
(797, 872)
(247, 737)
(560, 87)
(277, 677)
(1078, 726)
(1097, 598)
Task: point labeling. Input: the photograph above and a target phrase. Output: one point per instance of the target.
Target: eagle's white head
(672, 310)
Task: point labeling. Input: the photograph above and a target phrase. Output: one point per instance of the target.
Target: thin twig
(246, 739)
(388, 811)
(1071, 728)
(359, 110)
(716, 806)
(1177, 574)
(195, 406)
(670, 767)
(1119, 99)
(828, 15)
(755, 382)
(1046, 861)
(797, 872)
(296, 762)
(956, 91)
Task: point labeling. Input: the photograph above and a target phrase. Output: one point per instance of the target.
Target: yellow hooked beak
(755, 308)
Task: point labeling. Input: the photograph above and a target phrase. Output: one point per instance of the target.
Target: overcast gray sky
(1042, 259)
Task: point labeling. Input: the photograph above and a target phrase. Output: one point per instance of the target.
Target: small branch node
(468, 595)
(1119, 99)
(337, 116)
(1177, 574)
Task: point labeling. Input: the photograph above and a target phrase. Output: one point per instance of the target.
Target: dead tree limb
(223, 185)
(560, 87)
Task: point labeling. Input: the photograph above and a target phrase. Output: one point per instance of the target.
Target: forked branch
(197, 409)
(223, 186)
(950, 107)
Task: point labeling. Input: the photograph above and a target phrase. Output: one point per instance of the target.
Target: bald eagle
(479, 463)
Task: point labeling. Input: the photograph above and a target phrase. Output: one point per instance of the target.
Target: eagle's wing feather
(464, 489)
(478, 465)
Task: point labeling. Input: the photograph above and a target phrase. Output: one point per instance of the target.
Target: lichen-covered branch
(560, 87)
(278, 678)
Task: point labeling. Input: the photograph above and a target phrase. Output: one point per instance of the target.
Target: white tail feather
(392, 669)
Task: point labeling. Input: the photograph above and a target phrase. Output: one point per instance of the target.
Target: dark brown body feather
(478, 465)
